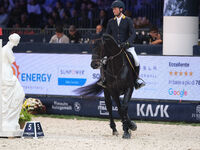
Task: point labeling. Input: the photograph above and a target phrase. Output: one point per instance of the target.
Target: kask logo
(15, 69)
(179, 93)
(149, 110)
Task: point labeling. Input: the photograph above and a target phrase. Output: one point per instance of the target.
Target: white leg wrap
(136, 59)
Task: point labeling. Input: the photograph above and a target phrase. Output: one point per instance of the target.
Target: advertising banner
(54, 74)
(166, 77)
(138, 110)
(170, 78)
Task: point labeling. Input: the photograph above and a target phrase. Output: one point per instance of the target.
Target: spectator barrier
(37, 35)
(138, 109)
(86, 48)
(78, 48)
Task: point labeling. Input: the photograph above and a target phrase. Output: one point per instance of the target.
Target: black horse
(120, 79)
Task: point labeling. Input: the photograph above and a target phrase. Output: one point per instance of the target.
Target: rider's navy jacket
(122, 33)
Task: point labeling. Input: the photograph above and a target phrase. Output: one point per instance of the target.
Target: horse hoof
(132, 126)
(115, 133)
(126, 135)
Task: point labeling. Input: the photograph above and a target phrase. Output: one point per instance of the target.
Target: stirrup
(139, 85)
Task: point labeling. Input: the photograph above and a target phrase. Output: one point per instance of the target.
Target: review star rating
(180, 73)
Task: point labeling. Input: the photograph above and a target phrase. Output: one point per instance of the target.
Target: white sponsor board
(170, 77)
(54, 74)
(167, 77)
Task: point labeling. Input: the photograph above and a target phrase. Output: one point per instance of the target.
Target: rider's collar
(123, 17)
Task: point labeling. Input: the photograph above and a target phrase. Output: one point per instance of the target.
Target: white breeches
(136, 59)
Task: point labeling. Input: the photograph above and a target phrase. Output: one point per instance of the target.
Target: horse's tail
(90, 90)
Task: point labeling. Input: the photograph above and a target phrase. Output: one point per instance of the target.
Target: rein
(112, 57)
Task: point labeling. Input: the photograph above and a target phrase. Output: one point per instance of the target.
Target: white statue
(12, 92)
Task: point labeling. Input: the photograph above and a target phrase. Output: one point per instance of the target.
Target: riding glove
(125, 45)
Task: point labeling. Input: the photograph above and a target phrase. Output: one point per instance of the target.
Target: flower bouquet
(34, 106)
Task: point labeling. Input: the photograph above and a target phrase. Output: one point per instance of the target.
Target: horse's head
(104, 46)
(97, 53)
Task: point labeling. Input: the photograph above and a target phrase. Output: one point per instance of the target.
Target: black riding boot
(102, 82)
(138, 82)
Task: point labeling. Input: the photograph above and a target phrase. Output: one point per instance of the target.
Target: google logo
(178, 93)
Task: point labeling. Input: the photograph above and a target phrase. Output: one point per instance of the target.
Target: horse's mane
(108, 36)
(110, 41)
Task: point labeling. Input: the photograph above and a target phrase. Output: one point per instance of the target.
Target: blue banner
(138, 110)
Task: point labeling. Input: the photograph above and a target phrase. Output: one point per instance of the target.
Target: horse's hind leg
(109, 108)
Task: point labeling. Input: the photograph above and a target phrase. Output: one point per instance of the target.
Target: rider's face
(116, 11)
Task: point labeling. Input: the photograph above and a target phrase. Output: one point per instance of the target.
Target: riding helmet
(118, 3)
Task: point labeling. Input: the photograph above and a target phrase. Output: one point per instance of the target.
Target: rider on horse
(122, 30)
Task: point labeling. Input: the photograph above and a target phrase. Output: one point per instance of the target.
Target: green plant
(24, 115)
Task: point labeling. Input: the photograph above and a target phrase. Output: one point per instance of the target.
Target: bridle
(114, 56)
(110, 58)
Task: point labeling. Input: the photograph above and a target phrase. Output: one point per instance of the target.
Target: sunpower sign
(71, 76)
(166, 77)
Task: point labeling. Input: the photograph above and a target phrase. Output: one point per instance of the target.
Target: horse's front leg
(109, 108)
(124, 111)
